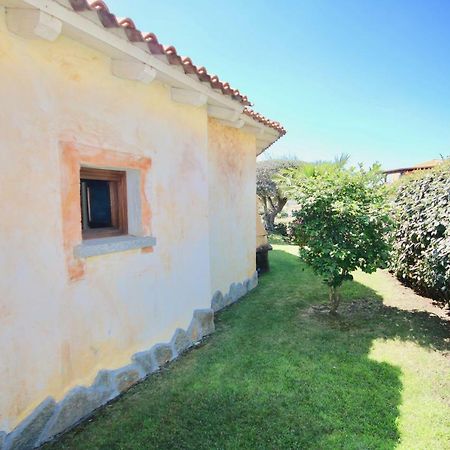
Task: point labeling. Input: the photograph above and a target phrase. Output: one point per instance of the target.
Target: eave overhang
(132, 57)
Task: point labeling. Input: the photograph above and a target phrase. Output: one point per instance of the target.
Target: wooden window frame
(118, 198)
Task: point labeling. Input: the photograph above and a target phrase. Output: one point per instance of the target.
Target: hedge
(421, 248)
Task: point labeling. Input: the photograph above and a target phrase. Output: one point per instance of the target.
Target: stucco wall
(232, 191)
(56, 333)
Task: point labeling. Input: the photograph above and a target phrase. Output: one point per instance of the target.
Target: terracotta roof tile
(126, 22)
(261, 119)
(109, 20)
(154, 46)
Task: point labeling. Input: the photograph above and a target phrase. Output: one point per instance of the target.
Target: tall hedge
(421, 254)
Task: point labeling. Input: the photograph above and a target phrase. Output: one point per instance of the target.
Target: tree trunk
(269, 221)
(335, 299)
(271, 208)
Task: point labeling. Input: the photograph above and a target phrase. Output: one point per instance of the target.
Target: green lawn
(276, 375)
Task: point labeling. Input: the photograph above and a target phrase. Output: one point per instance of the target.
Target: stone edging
(50, 419)
(236, 291)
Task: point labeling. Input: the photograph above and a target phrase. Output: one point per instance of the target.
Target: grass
(275, 375)
(276, 239)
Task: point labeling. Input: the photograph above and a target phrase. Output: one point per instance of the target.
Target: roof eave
(128, 57)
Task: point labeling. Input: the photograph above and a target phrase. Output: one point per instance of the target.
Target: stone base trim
(51, 419)
(236, 291)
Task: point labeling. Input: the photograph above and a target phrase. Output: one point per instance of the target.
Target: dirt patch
(356, 307)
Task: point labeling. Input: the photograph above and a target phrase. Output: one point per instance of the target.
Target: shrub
(280, 228)
(421, 253)
(343, 222)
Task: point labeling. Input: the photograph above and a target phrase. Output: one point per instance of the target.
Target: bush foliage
(281, 229)
(343, 222)
(421, 255)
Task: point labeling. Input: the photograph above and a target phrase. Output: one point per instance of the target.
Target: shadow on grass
(272, 376)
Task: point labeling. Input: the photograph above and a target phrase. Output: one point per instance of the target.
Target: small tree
(343, 220)
(272, 199)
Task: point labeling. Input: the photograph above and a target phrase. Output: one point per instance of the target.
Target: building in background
(395, 174)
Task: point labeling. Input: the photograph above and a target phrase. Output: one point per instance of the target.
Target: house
(395, 174)
(128, 198)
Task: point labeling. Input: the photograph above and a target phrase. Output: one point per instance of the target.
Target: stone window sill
(103, 246)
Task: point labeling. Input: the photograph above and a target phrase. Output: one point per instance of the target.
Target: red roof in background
(421, 166)
(109, 20)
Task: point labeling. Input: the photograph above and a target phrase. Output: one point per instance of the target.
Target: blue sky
(366, 77)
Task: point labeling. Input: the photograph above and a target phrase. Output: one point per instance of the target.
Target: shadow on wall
(274, 376)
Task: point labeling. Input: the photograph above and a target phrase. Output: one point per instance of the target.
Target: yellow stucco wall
(232, 190)
(55, 332)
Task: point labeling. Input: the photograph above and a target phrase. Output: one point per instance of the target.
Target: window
(103, 198)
